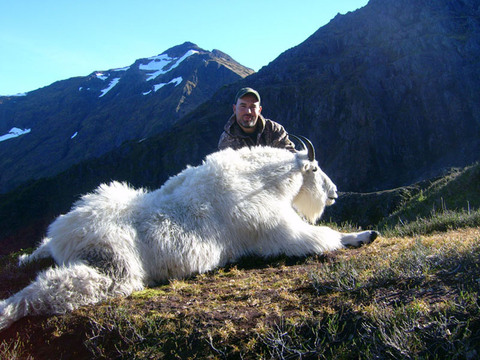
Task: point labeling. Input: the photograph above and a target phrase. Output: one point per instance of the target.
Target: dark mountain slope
(85, 117)
(389, 93)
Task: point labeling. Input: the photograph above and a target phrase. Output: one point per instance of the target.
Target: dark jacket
(269, 133)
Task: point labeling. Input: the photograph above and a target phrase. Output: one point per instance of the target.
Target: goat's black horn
(307, 144)
(295, 137)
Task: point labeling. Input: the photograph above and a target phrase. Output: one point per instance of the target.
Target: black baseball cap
(244, 91)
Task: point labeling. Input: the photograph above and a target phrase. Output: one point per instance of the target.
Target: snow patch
(110, 86)
(176, 81)
(101, 76)
(13, 133)
(187, 54)
(158, 64)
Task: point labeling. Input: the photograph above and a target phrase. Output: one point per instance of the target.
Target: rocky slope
(389, 93)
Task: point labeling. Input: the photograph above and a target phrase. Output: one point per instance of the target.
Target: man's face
(246, 111)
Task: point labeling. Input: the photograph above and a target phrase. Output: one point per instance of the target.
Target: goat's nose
(333, 194)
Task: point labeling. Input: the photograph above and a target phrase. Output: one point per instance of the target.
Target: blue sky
(49, 40)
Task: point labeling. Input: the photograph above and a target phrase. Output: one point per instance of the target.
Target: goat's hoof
(373, 236)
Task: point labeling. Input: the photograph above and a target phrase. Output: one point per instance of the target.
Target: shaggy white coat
(118, 239)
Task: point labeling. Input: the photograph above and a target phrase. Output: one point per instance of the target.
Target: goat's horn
(295, 137)
(307, 144)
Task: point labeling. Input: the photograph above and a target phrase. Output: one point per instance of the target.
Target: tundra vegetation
(413, 293)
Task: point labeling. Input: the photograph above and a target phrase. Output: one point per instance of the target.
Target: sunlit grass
(438, 221)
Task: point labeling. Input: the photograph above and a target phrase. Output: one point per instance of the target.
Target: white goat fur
(118, 240)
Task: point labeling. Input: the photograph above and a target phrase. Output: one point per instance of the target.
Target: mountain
(388, 94)
(50, 129)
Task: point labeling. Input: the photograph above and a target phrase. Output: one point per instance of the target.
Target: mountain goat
(118, 240)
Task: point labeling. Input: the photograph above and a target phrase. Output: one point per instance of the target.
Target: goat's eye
(314, 169)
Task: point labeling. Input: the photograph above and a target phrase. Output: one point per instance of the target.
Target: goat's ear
(306, 166)
(309, 167)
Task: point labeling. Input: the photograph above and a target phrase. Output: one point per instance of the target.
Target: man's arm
(280, 137)
(287, 143)
(228, 141)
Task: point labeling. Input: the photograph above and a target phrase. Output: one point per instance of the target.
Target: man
(247, 127)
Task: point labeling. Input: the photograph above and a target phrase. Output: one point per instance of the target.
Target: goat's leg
(358, 238)
(294, 237)
(42, 252)
(56, 291)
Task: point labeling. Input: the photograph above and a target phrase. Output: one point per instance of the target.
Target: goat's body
(118, 239)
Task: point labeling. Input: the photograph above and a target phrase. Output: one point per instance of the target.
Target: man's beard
(249, 123)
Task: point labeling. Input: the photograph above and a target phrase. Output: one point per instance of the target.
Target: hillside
(456, 190)
(388, 93)
(52, 128)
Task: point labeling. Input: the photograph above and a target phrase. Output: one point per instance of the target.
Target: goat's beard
(309, 207)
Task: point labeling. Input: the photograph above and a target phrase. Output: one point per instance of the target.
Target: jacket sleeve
(228, 141)
(286, 142)
(280, 138)
(222, 143)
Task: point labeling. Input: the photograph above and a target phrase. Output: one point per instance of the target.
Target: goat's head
(317, 190)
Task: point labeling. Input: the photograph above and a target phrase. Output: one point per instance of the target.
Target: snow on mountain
(159, 64)
(101, 76)
(84, 117)
(13, 133)
(176, 81)
(110, 86)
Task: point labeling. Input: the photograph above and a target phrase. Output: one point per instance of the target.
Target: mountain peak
(180, 50)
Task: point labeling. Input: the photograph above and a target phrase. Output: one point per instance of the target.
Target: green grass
(439, 221)
(455, 195)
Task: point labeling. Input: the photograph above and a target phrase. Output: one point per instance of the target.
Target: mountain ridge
(404, 73)
(84, 117)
